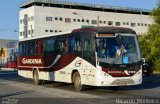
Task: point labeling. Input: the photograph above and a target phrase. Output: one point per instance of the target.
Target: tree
(1, 52)
(150, 42)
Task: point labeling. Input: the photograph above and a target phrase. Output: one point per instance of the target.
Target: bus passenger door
(87, 49)
(87, 56)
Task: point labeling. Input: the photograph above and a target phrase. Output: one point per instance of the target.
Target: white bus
(94, 56)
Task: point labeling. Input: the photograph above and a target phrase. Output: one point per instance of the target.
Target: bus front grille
(122, 82)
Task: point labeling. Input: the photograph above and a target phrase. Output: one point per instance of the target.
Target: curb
(8, 69)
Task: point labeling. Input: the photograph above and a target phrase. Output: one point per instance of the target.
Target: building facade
(7, 50)
(42, 17)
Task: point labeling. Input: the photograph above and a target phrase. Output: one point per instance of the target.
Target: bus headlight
(105, 74)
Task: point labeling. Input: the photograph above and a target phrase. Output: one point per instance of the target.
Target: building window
(125, 23)
(138, 24)
(32, 18)
(60, 30)
(51, 30)
(56, 18)
(83, 20)
(29, 31)
(68, 20)
(55, 31)
(21, 21)
(78, 20)
(110, 22)
(118, 24)
(94, 21)
(141, 24)
(74, 20)
(133, 24)
(104, 22)
(61, 19)
(100, 21)
(48, 18)
(32, 31)
(29, 19)
(46, 30)
(21, 33)
(87, 21)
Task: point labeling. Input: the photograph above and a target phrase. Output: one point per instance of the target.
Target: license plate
(122, 83)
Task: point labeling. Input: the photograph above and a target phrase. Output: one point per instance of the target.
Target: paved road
(17, 89)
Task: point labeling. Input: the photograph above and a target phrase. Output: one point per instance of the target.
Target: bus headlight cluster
(105, 74)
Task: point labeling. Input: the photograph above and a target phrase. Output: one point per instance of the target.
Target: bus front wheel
(77, 82)
(36, 80)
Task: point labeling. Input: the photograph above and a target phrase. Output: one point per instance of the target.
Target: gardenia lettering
(31, 61)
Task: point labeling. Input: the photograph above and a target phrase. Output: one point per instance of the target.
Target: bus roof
(106, 29)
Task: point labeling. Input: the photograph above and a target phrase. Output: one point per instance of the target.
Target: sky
(9, 12)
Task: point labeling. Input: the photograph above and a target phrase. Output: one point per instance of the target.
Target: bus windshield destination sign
(106, 35)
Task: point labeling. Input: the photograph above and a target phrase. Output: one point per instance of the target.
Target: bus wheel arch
(76, 80)
(74, 71)
(35, 73)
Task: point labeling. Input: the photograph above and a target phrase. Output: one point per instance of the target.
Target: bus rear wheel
(77, 82)
(36, 80)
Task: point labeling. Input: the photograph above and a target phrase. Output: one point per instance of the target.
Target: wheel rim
(36, 77)
(77, 83)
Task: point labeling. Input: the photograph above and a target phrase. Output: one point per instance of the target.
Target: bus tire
(36, 80)
(77, 82)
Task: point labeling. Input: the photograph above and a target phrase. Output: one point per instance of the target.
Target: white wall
(40, 24)
(30, 11)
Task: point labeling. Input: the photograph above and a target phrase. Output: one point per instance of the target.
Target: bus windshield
(118, 49)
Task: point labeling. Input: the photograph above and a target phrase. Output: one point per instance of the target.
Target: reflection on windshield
(117, 50)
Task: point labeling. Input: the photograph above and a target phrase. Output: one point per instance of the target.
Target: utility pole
(97, 21)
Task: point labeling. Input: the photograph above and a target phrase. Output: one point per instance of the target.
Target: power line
(11, 29)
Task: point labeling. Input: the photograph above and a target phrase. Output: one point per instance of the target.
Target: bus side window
(61, 45)
(75, 44)
(65, 46)
(20, 49)
(87, 50)
(32, 47)
(49, 45)
(87, 45)
(39, 47)
(78, 43)
(24, 49)
(71, 44)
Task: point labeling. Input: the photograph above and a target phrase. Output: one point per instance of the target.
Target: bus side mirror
(143, 60)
